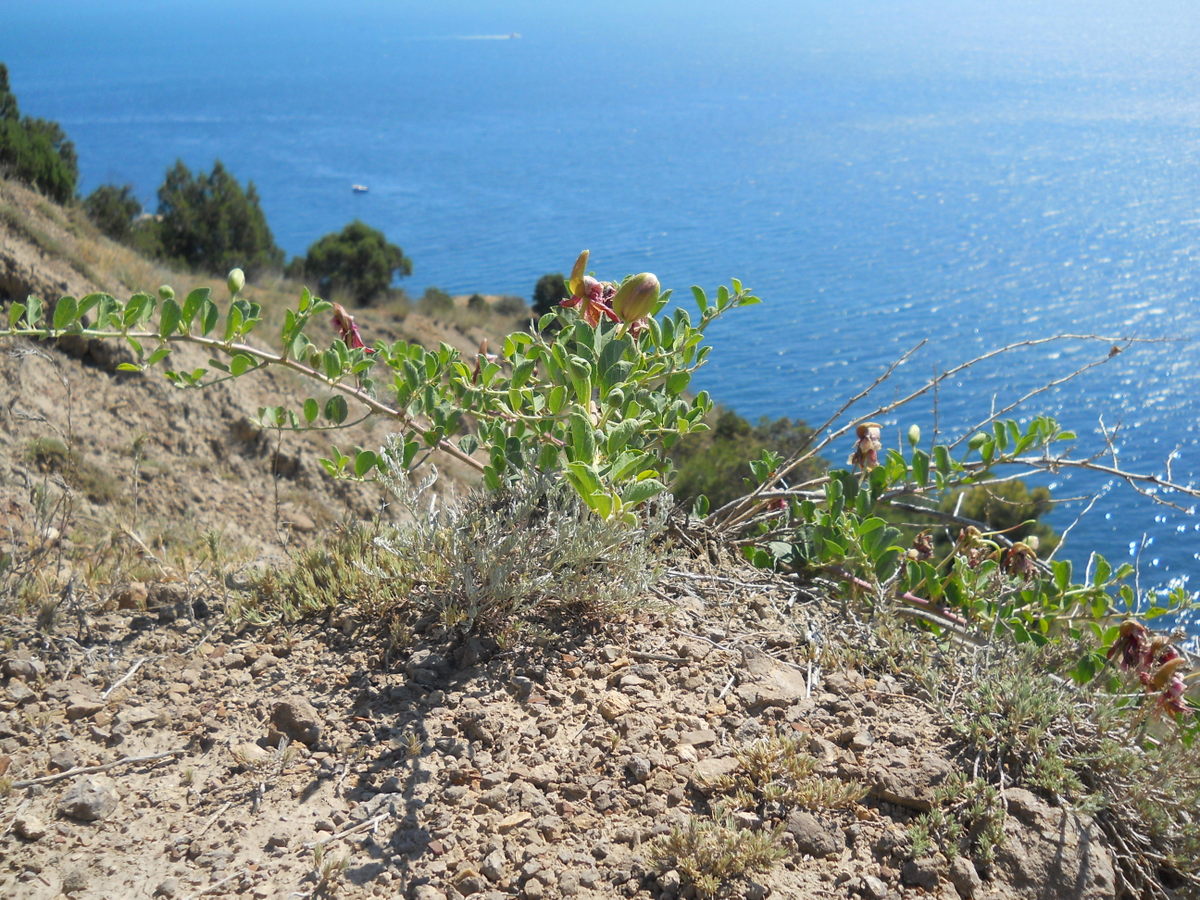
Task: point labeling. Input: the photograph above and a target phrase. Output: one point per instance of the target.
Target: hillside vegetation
(226, 674)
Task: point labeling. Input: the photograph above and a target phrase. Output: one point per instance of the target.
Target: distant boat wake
(512, 36)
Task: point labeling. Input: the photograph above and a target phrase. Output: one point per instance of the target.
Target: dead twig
(213, 818)
(91, 770)
(353, 829)
(216, 884)
(124, 678)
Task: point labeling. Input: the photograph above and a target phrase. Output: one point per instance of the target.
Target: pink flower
(594, 300)
(344, 323)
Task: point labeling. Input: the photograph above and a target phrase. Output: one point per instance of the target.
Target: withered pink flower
(867, 447)
(1132, 645)
(344, 323)
(922, 546)
(1021, 560)
(1172, 700)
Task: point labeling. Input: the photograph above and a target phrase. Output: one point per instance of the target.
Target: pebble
(19, 692)
(91, 797)
(24, 669)
(63, 759)
(29, 827)
(814, 837)
(74, 881)
(296, 718)
(493, 866)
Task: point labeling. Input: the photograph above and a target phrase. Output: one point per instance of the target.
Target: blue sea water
(880, 172)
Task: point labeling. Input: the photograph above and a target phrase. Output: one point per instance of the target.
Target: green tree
(549, 291)
(113, 209)
(209, 222)
(35, 151)
(357, 261)
(9, 111)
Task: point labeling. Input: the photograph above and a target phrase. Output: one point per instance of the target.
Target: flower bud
(636, 297)
(577, 272)
(166, 292)
(914, 435)
(235, 282)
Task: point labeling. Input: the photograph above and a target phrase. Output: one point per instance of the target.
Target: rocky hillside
(136, 453)
(734, 734)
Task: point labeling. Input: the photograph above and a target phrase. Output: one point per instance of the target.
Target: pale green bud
(166, 292)
(575, 282)
(235, 282)
(978, 440)
(914, 435)
(636, 297)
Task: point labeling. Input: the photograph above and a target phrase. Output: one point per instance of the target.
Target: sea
(953, 176)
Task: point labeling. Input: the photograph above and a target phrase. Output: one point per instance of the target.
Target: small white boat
(359, 188)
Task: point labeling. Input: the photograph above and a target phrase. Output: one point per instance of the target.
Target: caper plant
(595, 392)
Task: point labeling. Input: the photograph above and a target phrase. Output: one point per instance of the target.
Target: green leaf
(583, 479)
(920, 467)
(129, 367)
(14, 314)
(240, 364)
(620, 436)
(641, 491)
(209, 314)
(677, 382)
(332, 364)
(169, 319)
(941, 459)
(91, 301)
(364, 462)
(1062, 574)
(521, 373)
(34, 311)
(233, 322)
(583, 437)
(193, 303)
(159, 354)
(311, 410)
(1103, 571)
(64, 313)
(336, 409)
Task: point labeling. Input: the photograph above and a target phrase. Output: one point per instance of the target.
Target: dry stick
(1033, 393)
(90, 770)
(805, 452)
(1062, 540)
(1130, 478)
(213, 818)
(728, 514)
(124, 678)
(353, 829)
(679, 573)
(659, 657)
(216, 884)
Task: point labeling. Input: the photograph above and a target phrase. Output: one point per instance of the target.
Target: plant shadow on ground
(469, 600)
